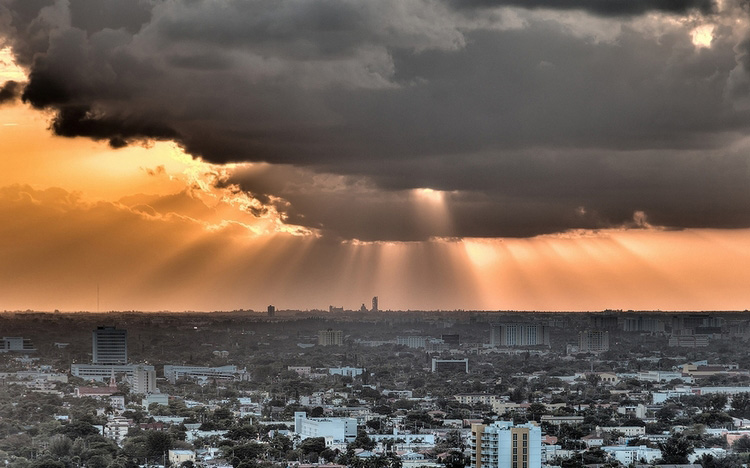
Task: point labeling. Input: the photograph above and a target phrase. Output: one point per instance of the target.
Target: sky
(440, 154)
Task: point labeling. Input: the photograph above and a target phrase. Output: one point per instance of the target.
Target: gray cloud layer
(563, 115)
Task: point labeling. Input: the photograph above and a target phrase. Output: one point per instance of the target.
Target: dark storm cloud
(600, 7)
(525, 194)
(9, 91)
(530, 121)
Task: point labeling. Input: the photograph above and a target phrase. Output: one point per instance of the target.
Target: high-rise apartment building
(519, 334)
(593, 341)
(330, 337)
(143, 380)
(110, 346)
(505, 445)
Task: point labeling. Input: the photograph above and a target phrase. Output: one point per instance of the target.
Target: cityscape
(372, 388)
(374, 233)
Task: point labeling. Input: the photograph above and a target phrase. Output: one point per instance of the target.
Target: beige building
(330, 337)
(474, 398)
(177, 457)
(628, 431)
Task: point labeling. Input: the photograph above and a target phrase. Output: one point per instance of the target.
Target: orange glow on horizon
(150, 225)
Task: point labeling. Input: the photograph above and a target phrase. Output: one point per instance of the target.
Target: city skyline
(493, 155)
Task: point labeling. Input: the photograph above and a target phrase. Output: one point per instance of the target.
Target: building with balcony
(505, 445)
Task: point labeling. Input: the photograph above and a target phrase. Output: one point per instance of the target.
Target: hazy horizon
(450, 154)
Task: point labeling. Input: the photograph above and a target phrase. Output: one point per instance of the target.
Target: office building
(450, 365)
(412, 341)
(593, 341)
(643, 324)
(103, 372)
(689, 341)
(452, 340)
(16, 344)
(338, 430)
(375, 304)
(330, 337)
(271, 311)
(519, 334)
(505, 445)
(110, 346)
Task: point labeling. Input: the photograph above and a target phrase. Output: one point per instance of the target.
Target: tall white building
(519, 334)
(338, 430)
(109, 346)
(504, 445)
(143, 380)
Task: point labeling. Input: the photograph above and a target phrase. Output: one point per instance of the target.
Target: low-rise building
(178, 457)
(340, 430)
(474, 398)
(174, 373)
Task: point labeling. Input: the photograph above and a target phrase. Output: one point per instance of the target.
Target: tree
(78, 429)
(455, 459)
(363, 441)
(59, 446)
(157, 443)
(675, 450)
(249, 451)
(278, 446)
(741, 445)
(48, 463)
(535, 410)
(313, 445)
(741, 405)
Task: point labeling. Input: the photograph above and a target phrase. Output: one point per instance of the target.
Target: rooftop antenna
(97, 298)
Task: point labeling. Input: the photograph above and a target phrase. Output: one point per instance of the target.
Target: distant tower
(375, 304)
(271, 311)
(110, 346)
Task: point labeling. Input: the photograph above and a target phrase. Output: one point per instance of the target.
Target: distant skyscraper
(593, 341)
(519, 334)
(110, 346)
(330, 337)
(452, 340)
(604, 321)
(375, 304)
(271, 311)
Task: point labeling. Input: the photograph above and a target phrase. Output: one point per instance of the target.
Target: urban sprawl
(372, 388)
